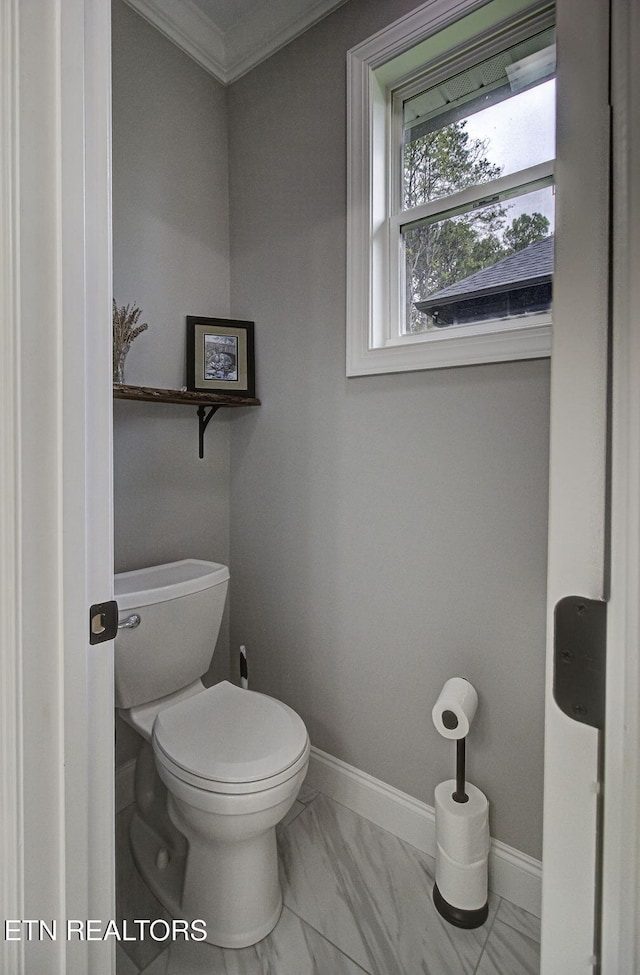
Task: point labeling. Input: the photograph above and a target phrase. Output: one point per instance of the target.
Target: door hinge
(103, 622)
(579, 665)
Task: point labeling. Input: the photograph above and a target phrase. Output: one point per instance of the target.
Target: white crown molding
(188, 28)
(227, 55)
(257, 39)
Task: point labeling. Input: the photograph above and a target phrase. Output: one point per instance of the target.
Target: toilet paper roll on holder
(450, 722)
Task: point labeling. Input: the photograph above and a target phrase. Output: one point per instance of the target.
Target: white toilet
(232, 761)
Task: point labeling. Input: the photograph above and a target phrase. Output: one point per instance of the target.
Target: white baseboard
(125, 777)
(512, 874)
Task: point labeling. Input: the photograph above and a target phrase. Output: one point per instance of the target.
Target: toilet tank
(180, 605)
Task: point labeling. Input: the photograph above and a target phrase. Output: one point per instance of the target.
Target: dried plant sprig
(125, 325)
(125, 330)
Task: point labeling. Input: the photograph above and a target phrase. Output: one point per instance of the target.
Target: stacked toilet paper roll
(462, 832)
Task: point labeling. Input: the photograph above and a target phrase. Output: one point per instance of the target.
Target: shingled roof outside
(531, 265)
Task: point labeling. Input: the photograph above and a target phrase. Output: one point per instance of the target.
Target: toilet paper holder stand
(467, 916)
(460, 795)
(450, 721)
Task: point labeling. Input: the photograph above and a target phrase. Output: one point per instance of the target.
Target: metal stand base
(456, 915)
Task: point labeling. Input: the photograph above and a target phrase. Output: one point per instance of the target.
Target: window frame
(390, 60)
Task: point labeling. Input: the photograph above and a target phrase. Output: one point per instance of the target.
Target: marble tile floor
(357, 902)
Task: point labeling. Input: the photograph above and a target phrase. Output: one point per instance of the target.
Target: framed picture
(220, 356)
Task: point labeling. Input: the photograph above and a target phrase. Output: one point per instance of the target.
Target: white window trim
(370, 293)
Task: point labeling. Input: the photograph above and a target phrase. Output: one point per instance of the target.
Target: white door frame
(56, 551)
(578, 472)
(621, 835)
(587, 556)
(10, 738)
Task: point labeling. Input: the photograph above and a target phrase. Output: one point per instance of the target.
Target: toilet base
(227, 876)
(231, 878)
(160, 865)
(236, 915)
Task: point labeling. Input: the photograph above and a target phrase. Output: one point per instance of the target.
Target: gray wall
(171, 257)
(387, 532)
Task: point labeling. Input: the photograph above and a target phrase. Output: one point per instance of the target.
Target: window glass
(450, 202)
(488, 121)
(492, 261)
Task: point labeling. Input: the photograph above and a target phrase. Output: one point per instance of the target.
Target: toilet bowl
(228, 766)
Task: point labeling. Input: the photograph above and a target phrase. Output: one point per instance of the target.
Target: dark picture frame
(220, 356)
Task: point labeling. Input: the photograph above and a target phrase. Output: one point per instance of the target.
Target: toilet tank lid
(158, 583)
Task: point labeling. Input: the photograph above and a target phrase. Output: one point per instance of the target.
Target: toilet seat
(230, 741)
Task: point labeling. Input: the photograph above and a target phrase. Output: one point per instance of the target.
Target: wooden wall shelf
(186, 397)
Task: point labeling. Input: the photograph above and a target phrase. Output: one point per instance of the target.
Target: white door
(578, 480)
(56, 558)
(621, 833)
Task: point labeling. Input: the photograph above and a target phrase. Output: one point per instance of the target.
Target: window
(450, 188)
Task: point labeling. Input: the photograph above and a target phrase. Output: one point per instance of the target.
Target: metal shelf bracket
(188, 397)
(203, 422)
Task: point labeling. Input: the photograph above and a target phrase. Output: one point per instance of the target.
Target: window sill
(449, 348)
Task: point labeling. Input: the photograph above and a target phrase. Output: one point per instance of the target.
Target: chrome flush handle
(130, 623)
